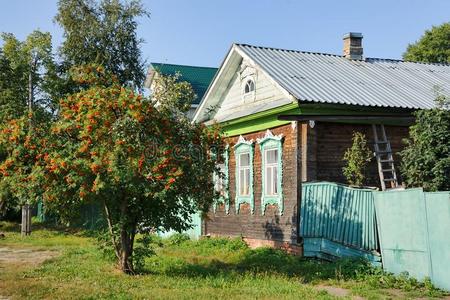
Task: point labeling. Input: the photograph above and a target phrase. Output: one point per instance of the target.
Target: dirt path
(25, 256)
(337, 291)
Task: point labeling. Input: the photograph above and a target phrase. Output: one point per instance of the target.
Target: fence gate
(414, 231)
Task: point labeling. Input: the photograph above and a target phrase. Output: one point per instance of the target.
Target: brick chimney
(353, 45)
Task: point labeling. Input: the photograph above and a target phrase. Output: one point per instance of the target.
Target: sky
(200, 32)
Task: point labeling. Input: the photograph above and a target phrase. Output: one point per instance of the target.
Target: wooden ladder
(385, 159)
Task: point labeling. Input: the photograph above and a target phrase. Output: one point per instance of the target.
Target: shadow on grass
(265, 261)
(53, 228)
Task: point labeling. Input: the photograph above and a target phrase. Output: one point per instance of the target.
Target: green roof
(198, 77)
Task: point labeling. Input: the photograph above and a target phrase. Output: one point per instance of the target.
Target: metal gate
(414, 230)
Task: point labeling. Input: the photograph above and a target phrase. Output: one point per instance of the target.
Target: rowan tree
(148, 168)
(22, 141)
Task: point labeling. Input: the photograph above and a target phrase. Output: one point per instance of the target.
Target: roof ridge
(180, 65)
(408, 61)
(337, 55)
(288, 50)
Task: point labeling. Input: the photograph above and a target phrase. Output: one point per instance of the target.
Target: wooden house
(289, 116)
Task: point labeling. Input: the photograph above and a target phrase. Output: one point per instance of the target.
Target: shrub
(357, 157)
(426, 157)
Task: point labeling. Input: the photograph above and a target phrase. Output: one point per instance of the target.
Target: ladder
(385, 159)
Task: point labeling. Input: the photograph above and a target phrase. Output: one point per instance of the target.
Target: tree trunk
(126, 262)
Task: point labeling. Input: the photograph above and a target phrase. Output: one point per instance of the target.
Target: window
(244, 174)
(249, 86)
(243, 151)
(271, 172)
(220, 179)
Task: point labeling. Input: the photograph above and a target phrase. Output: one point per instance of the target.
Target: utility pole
(26, 209)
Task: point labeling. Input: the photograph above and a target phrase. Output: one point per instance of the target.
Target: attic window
(249, 86)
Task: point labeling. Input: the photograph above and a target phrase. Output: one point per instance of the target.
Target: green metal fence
(338, 221)
(194, 233)
(90, 216)
(414, 232)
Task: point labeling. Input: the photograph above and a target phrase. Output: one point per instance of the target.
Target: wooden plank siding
(232, 99)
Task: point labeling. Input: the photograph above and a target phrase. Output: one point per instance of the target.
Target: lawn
(75, 268)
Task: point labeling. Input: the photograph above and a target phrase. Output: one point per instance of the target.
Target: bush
(426, 157)
(357, 157)
(177, 239)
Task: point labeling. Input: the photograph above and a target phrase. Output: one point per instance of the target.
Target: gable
(233, 102)
(225, 99)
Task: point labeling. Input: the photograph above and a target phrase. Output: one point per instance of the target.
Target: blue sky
(200, 32)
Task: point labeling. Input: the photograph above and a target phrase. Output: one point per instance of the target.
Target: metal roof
(327, 78)
(198, 77)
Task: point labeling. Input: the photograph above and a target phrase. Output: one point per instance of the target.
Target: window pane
(244, 160)
(247, 181)
(241, 182)
(272, 156)
(275, 180)
(268, 182)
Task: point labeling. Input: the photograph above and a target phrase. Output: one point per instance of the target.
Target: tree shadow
(266, 261)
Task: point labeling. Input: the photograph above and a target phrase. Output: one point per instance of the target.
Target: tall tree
(27, 80)
(149, 168)
(27, 69)
(432, 47)
(103, 32)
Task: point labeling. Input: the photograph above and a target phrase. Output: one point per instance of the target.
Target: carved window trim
(269, 142)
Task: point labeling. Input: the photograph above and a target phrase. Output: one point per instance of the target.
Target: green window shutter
(244, 147)
(225, 199)
(271, 142)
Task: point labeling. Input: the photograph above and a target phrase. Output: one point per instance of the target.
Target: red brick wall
(271, 226)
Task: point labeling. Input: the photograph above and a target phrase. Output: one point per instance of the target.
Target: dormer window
(249, 87)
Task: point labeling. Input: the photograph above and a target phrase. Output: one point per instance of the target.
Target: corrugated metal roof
(327, 78)
(198, 77)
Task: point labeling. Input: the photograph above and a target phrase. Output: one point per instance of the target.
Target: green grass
(205, 269)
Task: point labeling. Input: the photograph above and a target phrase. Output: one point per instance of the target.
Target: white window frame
(274, 172)
(240, 169)
(250, 95)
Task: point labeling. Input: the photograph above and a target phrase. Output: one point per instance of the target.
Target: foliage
(205, 269)
(103, 32)
(433, 46)
(148, 168)
(357, 158)
(171, 94)
(177, 238)
(426, 156)
(20, 60)
(21, 140)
